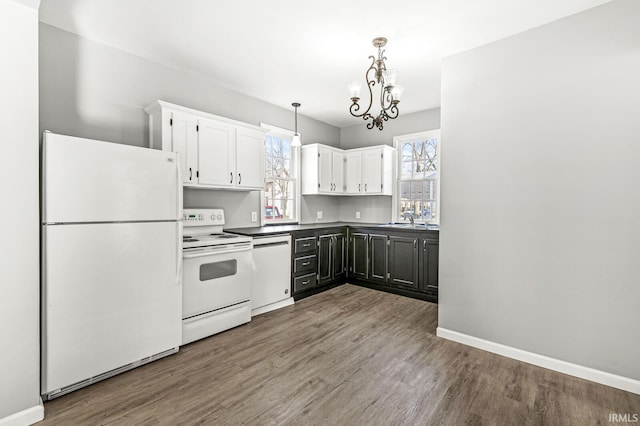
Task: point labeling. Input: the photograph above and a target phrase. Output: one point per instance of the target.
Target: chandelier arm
(355, 107)
(394, 111)
(385, 97)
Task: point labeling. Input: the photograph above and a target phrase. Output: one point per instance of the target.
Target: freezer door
(112, 295)
(92, 181)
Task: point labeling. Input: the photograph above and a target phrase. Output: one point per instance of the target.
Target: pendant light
(296, 137)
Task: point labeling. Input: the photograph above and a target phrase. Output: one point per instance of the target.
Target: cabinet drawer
(303, 245)
(305, 264)
(303, 283)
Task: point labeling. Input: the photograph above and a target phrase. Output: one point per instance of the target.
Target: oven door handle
(214, 252)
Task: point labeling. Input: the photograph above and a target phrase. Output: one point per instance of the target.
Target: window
(418, 192)
(281, 193)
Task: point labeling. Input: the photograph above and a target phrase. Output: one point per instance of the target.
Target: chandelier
(390, 92)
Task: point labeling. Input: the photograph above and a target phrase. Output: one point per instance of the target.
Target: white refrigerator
(111, 259)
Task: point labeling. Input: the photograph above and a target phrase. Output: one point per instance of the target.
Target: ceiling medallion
(390, 92)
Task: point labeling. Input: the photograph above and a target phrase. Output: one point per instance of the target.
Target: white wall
(91, 90)
(19, 217)
(540, 190)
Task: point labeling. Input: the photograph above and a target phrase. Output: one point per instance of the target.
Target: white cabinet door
(216, 154)
(325, 170)
(250, 158)
(353, 173)
(338, 172)
(184, 139)
(372, 171)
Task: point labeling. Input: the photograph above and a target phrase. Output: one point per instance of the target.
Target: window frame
(295, 170)
(397, 143)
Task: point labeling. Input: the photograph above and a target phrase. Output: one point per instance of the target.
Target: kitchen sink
(406, 225)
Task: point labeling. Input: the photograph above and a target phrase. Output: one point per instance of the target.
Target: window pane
(407, 152)
(267, 145)
(282, 189)
(286, 148)
(406, 170)
(269, 166)
(430, 158)
(288, 209)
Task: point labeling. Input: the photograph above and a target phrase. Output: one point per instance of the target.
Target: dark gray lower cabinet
(331, 257)
(358, 255)
(429, 265)
(403, 261)
(378, 257)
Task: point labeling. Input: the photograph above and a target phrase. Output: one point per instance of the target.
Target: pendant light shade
(296, 137)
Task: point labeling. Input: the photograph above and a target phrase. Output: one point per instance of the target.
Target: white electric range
(216, 275)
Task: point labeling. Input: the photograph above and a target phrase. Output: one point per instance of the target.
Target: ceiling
(282, 51)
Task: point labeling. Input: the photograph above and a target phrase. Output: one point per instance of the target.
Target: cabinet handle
(306, 263)
(190, 173)
(305, 282)
(424, 244)
(231, 174)
(239, 179)
(415, 244)
(359, 187)
(306, 245)
(365, 187)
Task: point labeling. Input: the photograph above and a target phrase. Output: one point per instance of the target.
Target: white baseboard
(272, 307)
(25, 417)
(598, 376)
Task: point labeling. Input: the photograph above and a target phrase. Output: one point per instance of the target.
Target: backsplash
(372, 208)
(237, 205)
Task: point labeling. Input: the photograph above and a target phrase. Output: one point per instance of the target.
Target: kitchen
(552, 276)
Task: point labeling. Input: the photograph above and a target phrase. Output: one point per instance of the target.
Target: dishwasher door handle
(277, 243)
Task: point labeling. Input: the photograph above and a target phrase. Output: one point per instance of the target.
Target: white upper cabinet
(369, 171)
(215, 152)
(250, 158)
(322, 170)
(333, 171)
(353, 175)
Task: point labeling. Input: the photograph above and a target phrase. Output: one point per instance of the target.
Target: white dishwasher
(271, 274)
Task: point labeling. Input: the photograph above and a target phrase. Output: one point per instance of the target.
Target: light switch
(254, 216)
(357, 215)
(319, 215)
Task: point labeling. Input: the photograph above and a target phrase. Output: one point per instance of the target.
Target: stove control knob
(219, 216)
(213, 217)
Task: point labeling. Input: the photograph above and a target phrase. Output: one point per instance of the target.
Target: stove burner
(224, 236)
(188, 240)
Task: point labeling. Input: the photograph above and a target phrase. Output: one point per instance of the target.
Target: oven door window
(214, 270)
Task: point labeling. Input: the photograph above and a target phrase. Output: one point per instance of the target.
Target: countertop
(258, 231)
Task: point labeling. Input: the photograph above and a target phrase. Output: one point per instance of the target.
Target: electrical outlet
(319, 215)
(357, 215)
(254, 216)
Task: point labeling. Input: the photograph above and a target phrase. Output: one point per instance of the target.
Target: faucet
(411, 219)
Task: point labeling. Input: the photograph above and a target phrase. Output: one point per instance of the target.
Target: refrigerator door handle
(179, 188)
(179, 254)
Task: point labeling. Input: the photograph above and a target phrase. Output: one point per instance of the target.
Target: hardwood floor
(349, 356)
